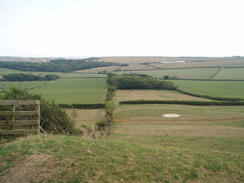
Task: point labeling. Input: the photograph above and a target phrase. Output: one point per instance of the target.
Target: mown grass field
(123, 95)
(199, 73)
(232, 89)
(75, 91)
(193, 121)
(5, 85)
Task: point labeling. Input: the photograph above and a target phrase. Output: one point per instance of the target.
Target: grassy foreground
(75, 159)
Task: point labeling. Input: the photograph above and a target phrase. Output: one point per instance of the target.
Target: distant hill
(152, 59)
(27, 59)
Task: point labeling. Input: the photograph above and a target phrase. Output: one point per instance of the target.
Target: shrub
(53, 118)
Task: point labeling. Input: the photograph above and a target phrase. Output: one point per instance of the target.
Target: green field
(199, 73)
(5, 85)
(9, 71)
(75, 91)
(232, 89)
(128, 95)
(230, 73)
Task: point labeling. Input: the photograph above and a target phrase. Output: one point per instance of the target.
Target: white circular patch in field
(171, 115)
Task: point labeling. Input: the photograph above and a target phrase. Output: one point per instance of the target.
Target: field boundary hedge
(201, 103)
(210, 97)
(206, 79)
(83, 106)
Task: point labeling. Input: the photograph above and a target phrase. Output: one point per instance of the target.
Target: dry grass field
(211, 121)
(138, 67)
(99, 69)
(158, 59)
(85, 116)
(122, 95)
(193, 73)
(232, 63)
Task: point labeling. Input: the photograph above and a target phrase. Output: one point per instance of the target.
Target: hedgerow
(223, 103)
(210, 97)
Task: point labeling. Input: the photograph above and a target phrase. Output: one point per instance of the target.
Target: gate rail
(19, 117)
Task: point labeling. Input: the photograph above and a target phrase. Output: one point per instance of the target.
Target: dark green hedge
(138, 81)
(83, 106)
(229, 103)
(210, 97)
(29, 77)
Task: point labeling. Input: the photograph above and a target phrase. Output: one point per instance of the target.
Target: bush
(53, 118)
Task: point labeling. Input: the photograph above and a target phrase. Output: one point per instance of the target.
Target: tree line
(138, 81)
(29, 77)
(62, 65)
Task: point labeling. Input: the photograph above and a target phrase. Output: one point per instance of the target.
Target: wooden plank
(18, 132)
(19, 123)
(21, 113)
(19, 102)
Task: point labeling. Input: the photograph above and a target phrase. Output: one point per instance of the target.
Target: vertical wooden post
(38, 117)
(12, 127)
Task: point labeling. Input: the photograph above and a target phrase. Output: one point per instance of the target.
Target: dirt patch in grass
(36, 167)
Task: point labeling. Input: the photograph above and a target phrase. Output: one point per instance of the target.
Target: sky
(81, 28)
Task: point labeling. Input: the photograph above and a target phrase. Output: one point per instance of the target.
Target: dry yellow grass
(213, 121)
(122, 95)
(177, 129)
(200, 64)
(137, 67)
(85, 116)
(96, 70)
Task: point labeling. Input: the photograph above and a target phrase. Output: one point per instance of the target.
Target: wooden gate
(19, 117)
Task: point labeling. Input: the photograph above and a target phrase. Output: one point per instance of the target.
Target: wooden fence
(19, 117)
